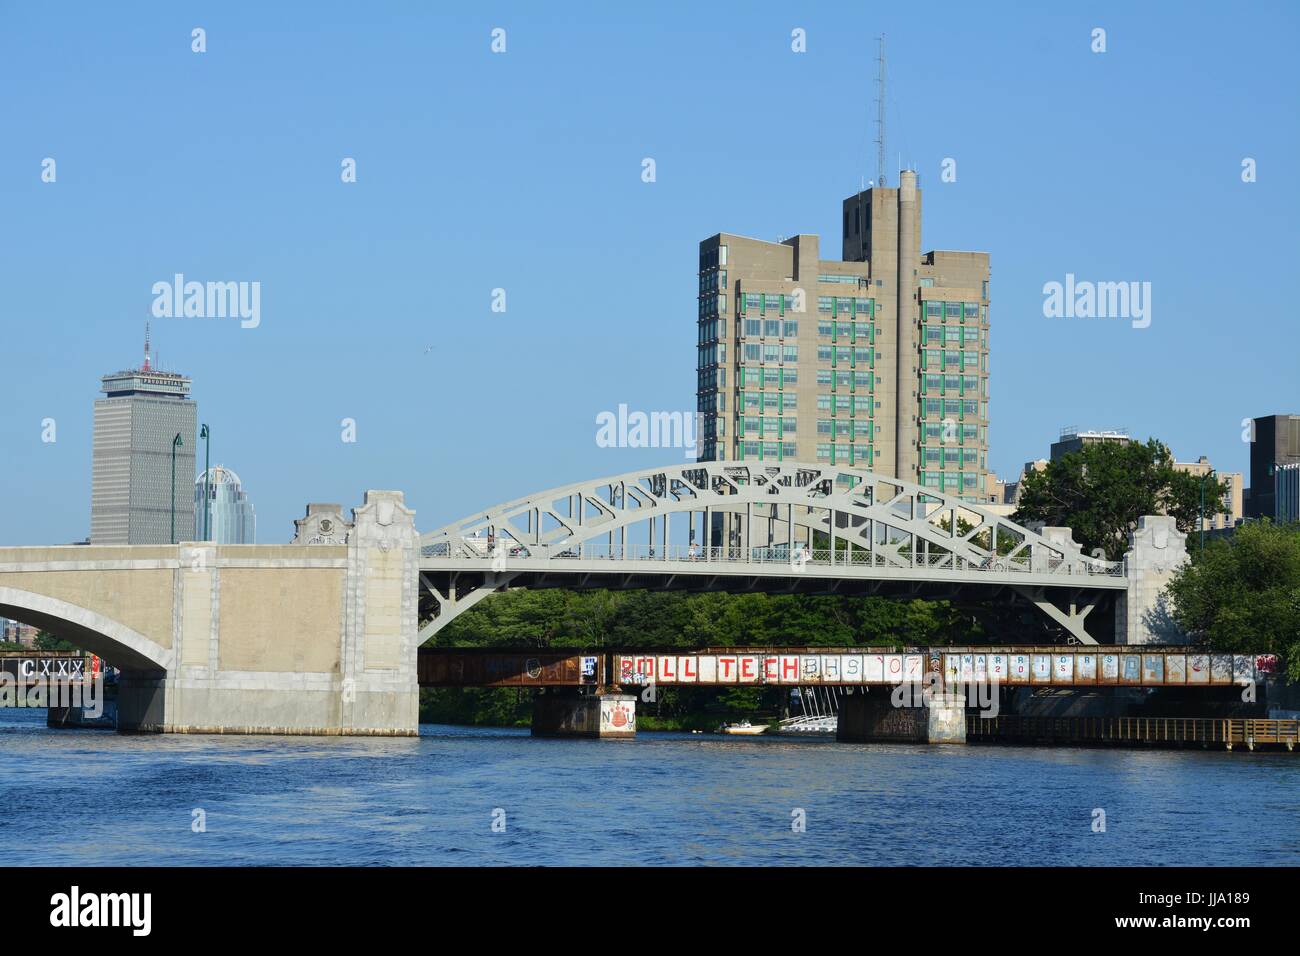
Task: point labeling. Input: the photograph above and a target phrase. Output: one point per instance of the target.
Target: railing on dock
(1249, 732)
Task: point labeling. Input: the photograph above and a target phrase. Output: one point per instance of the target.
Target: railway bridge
(321, 635)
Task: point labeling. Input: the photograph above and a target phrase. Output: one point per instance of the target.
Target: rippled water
(94, 797)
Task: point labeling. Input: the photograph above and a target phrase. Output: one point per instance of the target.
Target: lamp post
(177, 442)
(207, 470)
(1203, 477)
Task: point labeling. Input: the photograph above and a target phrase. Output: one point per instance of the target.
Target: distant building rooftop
(146, 379)
(1073, 431)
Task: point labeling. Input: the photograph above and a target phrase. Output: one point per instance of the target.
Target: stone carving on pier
(323, 524)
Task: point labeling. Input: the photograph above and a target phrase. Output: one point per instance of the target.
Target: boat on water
(745, 728)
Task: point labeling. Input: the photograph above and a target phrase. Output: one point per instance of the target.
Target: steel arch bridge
(752, 526)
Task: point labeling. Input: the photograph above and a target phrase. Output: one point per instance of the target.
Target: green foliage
(1006, 543)
(650, 619)
(490, 706)
(45, 641)
(1102, 490)
(1242, 594)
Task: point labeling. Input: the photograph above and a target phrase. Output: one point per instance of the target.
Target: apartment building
(878, 360)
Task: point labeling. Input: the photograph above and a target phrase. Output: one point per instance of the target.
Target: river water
(95, 797)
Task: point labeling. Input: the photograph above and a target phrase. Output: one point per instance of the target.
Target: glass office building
(230, 514)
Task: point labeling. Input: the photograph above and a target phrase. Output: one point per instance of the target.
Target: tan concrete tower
(906, 322)
(877, 361)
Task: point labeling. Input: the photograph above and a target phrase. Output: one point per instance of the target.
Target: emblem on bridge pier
(323, 524)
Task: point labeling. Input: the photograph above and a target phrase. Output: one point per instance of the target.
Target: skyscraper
(230, 516)
(136, 424)
(879, 360)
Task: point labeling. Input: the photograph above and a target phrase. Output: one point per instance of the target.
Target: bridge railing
(509, 550)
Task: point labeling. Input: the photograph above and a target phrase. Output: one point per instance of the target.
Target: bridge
(321, 635)
(937, 684)
(786, 528)
(1150, 666)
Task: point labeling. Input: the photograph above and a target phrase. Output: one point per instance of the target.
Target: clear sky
(522, 171)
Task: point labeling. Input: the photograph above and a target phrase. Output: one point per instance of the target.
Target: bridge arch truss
(757, 526)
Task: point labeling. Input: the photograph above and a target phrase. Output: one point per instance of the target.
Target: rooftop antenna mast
(880, 113)
(146, 346)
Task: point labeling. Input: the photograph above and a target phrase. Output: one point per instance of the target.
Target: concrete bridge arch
(87, 629)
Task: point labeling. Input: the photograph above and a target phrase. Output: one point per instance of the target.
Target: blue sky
(522, 171)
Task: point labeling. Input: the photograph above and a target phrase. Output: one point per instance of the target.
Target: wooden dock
(1250, 733)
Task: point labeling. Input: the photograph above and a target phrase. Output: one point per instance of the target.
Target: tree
(45, 641)
(1242, 594)
(1101, 491)
(647, 619)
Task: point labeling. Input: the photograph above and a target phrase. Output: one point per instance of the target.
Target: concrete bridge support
(607, 715)
(307, 640)
(274, 639)
(1142, 615)
(875, 718)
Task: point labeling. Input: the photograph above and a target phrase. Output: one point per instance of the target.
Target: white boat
(745, 728)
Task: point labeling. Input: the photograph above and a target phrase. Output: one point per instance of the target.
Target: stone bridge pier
(314, 637)
(1143, 615)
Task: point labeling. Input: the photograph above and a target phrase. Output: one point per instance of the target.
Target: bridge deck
(774, 562)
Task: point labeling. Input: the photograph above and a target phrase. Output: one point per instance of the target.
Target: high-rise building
(133, 498)
(1276, 442)
(878, 360)
(230, 514)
